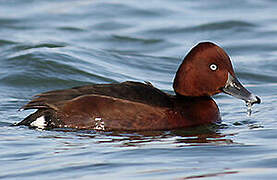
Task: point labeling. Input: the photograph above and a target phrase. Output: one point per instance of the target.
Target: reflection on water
(195, 136)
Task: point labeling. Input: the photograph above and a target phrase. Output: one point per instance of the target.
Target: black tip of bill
(234, 88)
(258, 100)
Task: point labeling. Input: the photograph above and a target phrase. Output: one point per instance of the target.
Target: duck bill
(234, 88)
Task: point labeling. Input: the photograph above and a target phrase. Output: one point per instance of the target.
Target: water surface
(46, 45)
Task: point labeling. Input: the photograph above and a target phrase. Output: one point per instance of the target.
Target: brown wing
(132, 91)
(90, 111)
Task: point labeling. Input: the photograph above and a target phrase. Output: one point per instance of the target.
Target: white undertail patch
(39, 122)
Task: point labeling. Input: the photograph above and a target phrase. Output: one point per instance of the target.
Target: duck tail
(40, 119)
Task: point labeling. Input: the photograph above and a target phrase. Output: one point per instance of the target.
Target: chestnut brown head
(207, 70)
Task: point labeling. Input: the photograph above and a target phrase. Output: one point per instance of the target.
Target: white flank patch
(99, 124)
(39, 123)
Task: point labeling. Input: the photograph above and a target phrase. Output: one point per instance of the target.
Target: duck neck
(192, 98)
(198, 109)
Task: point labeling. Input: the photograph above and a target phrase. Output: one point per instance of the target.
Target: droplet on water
(249, 108)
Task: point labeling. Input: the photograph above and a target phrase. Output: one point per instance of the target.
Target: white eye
(213, 67)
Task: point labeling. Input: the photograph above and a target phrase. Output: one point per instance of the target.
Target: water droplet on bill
(249, 108)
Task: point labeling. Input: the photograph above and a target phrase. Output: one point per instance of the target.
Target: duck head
(206, 71)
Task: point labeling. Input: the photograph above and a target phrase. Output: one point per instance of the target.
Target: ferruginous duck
(135, 106)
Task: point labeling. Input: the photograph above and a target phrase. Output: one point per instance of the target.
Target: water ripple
(225, 25)
(46, 45)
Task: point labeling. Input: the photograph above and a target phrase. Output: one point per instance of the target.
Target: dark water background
(57, 44)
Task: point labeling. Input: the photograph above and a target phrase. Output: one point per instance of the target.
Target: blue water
(46, 45)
